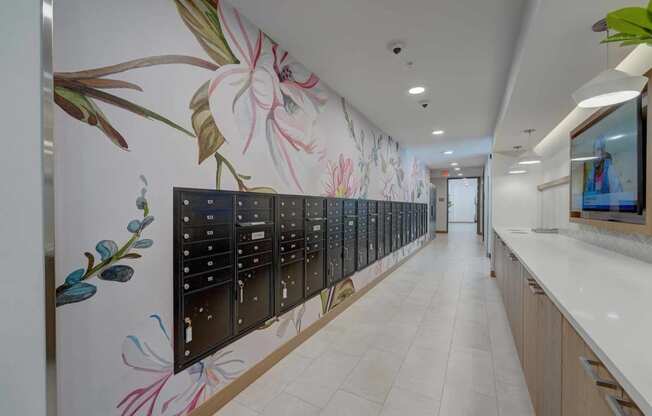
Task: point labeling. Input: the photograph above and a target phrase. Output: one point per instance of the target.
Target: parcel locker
(405, 224)
(413, 222)
(380, 240)
(255, 267)
(372, 233)
(315, 245)
(290, 278)
(349, 236)
(333, 241)
(396, 225)
(203, 273)
(389, 227)
(362, 237)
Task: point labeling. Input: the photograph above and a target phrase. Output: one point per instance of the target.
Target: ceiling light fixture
(416, 90)
(448, 152)
(530, 157)
(458, 168)
(517, 171)
(460, 174)
(438, 132)
(454, 164)
(611, 86)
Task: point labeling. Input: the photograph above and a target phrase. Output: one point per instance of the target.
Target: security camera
(424, 104)
(396, 47)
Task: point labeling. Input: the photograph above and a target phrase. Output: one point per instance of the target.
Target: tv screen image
(607, 157)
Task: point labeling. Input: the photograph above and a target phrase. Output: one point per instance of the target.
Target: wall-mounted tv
(608, 164)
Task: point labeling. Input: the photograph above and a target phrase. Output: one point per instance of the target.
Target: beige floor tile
(401, 402)
(459, 401)
(347, 404)
(235, 409)
(287, 405)
(374, 375)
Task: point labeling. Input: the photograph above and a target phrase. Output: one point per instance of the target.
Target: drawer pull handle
(616, 405)
(535, 289)
(588, 366)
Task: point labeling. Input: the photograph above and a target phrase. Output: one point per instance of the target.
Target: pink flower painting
(341, 181)
(267, 104)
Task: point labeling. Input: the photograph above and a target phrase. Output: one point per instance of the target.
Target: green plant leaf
(200, 16)
(619, 37)
(209, 137)
(78, 106)
(631, 20)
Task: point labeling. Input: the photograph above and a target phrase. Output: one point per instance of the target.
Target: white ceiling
(462, 50)
(557, 53)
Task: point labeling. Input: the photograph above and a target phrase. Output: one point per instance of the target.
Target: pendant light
(610, 87)
(530, 157)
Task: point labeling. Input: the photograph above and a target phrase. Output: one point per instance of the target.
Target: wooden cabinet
(513, 285)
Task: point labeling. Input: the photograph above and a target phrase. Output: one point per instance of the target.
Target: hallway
(431, 339)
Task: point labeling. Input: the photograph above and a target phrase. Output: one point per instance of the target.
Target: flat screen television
(608, 163)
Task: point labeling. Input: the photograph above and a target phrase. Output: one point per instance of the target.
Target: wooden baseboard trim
(222, 397)
(493, 274)
(441, 232)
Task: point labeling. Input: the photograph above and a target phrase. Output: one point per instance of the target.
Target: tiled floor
(431, 339)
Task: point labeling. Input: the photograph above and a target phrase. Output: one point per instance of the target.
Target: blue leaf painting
(133, 226)
(74, 277)
(106, 248)
(144, 243)
(118, 273)
(75, 293)
(141, 202)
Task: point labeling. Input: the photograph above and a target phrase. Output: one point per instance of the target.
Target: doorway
(464, 204)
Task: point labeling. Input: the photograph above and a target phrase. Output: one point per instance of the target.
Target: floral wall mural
(152, 95)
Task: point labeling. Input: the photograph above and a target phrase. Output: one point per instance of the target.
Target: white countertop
(606, 296)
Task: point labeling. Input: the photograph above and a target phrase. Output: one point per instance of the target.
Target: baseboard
(441, 232)
(222, 397)
(493, 274)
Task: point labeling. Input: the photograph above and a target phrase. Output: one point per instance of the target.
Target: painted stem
(137, 63)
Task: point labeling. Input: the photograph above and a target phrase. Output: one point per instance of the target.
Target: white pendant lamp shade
(529, 158)
(610, 87)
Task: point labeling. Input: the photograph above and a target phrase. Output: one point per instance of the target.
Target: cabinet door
(550, 353)
(580, 395)
(531, 343)
(517, 306)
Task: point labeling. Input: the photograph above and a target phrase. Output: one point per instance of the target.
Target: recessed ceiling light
(458, 168)
(417, 90)
(517, 172)
(460, 174)
(448, 152)
(438, 132)
(454, 164)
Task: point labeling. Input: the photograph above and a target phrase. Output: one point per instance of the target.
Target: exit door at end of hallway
(463, 200)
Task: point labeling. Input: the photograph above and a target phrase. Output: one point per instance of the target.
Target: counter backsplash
(633, 245)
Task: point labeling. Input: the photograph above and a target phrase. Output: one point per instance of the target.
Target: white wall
(22, 350)
(514, 197)
(463, 195)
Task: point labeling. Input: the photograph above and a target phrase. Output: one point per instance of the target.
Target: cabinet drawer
(292, 225)
(290, 214)
(317, 245)
(205, 264)
(193, 250)
(253, 215)
(253, 202)
(334, 229)
(205, 200)
(291, 235)
(190, 234)
(195, 216)
(315, 226)
(290, 257)
(255, 260)
(203, 280)
(253, 248)
(251, 234)
(292, 246)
